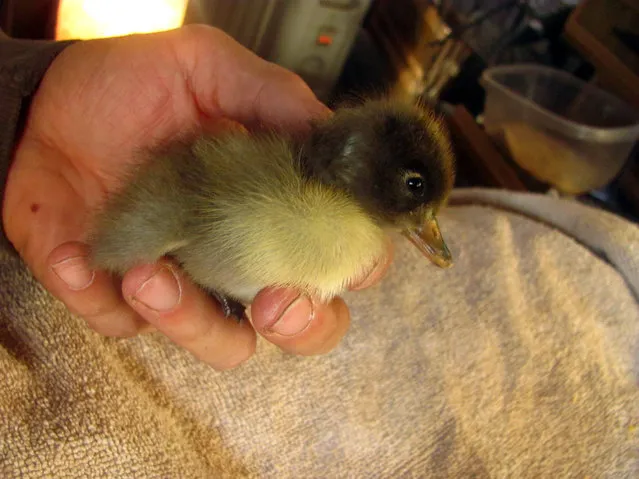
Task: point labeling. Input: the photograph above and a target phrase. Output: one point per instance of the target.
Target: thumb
(230, 80)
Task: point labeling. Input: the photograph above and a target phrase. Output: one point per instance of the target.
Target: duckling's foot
(231, 307)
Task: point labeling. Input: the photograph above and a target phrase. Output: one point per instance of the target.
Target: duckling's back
(238, 214)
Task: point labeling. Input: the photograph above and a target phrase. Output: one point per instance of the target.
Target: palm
(87, 125)
(92, 124)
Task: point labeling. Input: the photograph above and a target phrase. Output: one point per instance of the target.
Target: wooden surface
(590, 30)
(479, 162)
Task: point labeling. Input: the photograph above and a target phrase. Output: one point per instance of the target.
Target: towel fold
(520, 361)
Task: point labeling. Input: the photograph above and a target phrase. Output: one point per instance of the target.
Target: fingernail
(367, 280)
(294, 319)
(74, 272)
(372, 277)
(161, 291)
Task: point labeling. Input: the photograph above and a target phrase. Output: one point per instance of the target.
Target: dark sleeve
(23, 63)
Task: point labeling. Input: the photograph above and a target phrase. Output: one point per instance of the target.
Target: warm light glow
(83, 19)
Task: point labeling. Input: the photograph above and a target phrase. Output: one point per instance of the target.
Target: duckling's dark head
(395, 160)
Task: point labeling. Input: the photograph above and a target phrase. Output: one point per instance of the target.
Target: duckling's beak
(429, 240)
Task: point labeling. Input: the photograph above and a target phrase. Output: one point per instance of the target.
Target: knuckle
(105, 327)
(201, 34)
(228, 352)
(97, 310)
(294, 81)
(183, 326)
(236, 359)
(116, 323)
(285, 79)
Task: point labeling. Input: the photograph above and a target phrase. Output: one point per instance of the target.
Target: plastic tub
(561, 130)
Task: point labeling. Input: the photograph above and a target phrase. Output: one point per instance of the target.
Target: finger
(176, 307)
(217, 126)
(230, 80)
(378, 272)
(298, 324)
(93, 295)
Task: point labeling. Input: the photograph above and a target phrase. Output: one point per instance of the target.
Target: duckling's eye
(415, 184)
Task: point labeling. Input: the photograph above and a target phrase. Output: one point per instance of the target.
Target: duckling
(242, 211)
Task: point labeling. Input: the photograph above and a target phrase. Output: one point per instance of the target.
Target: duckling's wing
(146, 219)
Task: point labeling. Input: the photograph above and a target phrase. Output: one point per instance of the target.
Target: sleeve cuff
(23, 63)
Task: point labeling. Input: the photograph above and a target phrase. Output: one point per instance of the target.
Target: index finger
(164, 296)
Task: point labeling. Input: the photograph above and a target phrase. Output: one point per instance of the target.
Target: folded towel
(520, 361)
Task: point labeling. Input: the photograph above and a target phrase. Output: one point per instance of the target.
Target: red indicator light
(324, 40)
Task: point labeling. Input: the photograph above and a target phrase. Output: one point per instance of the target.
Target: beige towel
(521, 361)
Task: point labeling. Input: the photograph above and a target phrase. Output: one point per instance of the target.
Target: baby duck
(241, 211)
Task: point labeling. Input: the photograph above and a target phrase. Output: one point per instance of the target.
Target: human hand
(102, 101)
